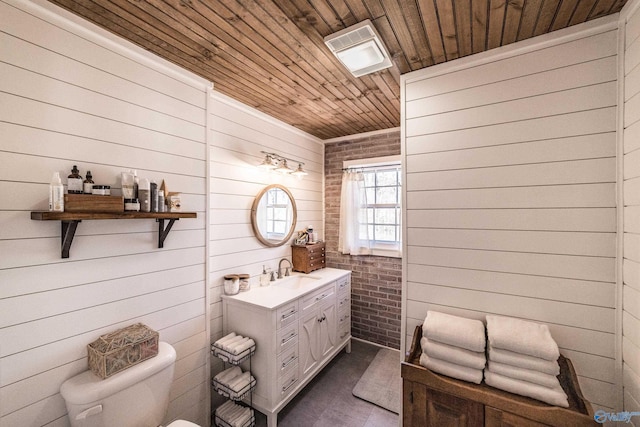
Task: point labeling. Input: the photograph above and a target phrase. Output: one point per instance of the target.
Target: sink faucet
(286, 273)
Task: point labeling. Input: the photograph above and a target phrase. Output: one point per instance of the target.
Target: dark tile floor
(327, 400)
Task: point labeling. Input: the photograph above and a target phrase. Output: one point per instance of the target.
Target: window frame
(375, 165)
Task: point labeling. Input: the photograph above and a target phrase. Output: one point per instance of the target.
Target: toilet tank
(135, 397)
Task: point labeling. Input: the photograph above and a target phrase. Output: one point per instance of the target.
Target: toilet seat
(182, 423)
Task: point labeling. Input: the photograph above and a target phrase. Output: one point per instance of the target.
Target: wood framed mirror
(274, 215)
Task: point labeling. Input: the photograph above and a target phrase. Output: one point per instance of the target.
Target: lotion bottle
(56, 194)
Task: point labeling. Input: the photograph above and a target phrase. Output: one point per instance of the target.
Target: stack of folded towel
(523, 359)
(234, 344)
(233, 382)
(453, 346)
(233, 414)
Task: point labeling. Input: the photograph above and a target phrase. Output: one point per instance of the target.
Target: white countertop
(287, 289)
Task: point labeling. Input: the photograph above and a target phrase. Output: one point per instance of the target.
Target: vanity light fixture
(359, 48)
(278, 163)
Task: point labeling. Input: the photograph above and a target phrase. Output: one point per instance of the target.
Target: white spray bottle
(56, 194)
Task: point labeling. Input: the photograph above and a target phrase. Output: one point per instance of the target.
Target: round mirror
(273, 215)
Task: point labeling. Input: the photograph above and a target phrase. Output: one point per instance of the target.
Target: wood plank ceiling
(270, 54)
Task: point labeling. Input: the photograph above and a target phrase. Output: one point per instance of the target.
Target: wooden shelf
(70, 221)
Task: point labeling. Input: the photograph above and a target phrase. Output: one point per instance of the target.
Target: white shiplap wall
(73, 94)
(237, 135)
(630, 25)
(510, 164)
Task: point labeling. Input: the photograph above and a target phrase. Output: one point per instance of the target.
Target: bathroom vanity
(299, 323)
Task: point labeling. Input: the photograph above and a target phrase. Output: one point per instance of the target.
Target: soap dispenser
(264, 277)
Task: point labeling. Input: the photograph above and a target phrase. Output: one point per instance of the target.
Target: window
(370, 209)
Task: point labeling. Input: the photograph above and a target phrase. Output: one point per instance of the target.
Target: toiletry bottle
(136, 184)
(264, 277)
(56, 194)
(144, 193)
(74, 181)
(154, 196)
(87, 185)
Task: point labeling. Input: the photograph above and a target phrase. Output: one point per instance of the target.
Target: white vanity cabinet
(298, 329)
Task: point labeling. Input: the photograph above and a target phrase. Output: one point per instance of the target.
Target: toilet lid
(182, 423)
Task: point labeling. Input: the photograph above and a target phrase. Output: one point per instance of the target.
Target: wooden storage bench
(431, 399)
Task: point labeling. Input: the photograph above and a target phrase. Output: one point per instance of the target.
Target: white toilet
(135, 397)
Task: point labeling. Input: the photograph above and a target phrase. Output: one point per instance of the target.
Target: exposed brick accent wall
(376, 282)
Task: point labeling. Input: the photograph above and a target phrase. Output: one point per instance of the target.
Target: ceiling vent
(359, 48)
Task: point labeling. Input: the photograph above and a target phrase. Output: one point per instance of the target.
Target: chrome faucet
(286, 273)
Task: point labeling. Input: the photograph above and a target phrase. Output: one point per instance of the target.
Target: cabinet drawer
(287, 315)
(344, 285)
(311, 301)
(286, 338)
(287, 383)
(344, 325)
(344, 303)
(287, 361)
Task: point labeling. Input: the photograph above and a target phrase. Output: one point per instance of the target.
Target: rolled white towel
(242, 346)
(451, 369)
(522, 336)
(551, 396)
(222, 341)
(238, 383)
(454, 330)
(453, 354)
(228, 374)
(529, 375)
(228, 345)
(523, 361)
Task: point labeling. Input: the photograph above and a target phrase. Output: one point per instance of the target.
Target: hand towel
(523, 361)
(242, 346)
(551, 396)
(521, 336)
(529, 375)
(454, 330)
(457, 355)
(222, 341)
(228, 345)
(451, 369)
(225, 376)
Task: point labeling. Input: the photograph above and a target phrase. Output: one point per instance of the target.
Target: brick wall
(376, 282)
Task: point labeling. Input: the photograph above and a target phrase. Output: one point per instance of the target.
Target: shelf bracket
(164, 232)
(66, 237)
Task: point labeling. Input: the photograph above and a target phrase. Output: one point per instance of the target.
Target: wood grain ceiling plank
(390, 40)
(602, 8)
(287, 51)
(344, 13)
(376, 10)
(529, 19)
(407, 34)
(512, 21)
(446, 17)
(564, 14)
(583, 9)
(323, 62)
(359, 10)
(497, 11)
(327, 13)
(479, 25)
(431, 26)
(546, 16)
(463, 26)
(617, 6)
(355, 86)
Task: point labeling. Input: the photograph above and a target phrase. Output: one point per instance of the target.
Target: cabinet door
(328, 328)
(424, 407)
(309, 353)
(497, 418)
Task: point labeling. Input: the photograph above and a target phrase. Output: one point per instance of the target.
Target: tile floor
(327, 400)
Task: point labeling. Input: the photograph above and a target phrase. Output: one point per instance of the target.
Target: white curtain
(354, 234)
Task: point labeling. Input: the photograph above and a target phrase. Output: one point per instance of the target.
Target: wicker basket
(119, 350)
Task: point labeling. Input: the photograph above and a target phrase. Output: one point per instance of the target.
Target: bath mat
(381, 383)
